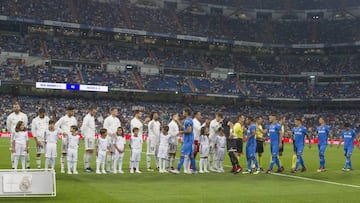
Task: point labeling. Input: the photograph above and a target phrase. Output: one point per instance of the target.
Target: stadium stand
(168, 21)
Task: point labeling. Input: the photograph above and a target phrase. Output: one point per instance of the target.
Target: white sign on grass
(15, 183)
(27, 183)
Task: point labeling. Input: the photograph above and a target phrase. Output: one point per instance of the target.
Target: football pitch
(333, 185)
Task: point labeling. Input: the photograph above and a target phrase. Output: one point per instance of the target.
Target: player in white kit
(153, 140)
(111, 124)
(73, 146)
(173, 134)
(88, 131)
(20, 144)
(204, 149)
(51, 137)
(136, 122)
(163, 149)
(215, 126)
(220, 145)
(197, 130)
(38, 127)
(119, 145)
(135, 146)
(63, 126)
(11, 122)
(101, 148)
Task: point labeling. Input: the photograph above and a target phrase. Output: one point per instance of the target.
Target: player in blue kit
(251, 146)
(299, 132)
(276, 134)
(348, 135)
(188, 140)
(323, 133)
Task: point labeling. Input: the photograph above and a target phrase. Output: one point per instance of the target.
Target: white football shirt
(102, 144)
(120, 142)
(51, 136)
(39, 126)
(220, 141)
(111, 124)
(88, 126)
(20, 137)
(64, 123)
(73, 141)
(14, 118)
(197, 128)
(136, 123)
(164, 140)
(136, 143)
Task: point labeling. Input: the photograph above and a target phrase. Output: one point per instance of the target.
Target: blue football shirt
(188, 137)
(323, 134)
(349, 137)
(299, 134)
(274, 133)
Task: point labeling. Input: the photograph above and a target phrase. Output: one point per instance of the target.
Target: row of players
(211, 136)
(166, 149)
(111, 123)
(114, 144)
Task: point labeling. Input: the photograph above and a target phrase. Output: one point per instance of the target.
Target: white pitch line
(316, 180)
(313, 180)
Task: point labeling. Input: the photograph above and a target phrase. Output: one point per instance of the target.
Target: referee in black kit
(231, 145)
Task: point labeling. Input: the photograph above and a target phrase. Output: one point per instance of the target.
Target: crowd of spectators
(294, 90)
(127, 15)
(168, 57)
(99, 76)
(343, 91)
(14, 43)
(166, 20)
(75, 49)
(273, 87)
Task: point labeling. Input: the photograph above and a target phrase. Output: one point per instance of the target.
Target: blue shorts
(187, 149)
(322, 148)
(294, 147)
(274, 149)
(250, 151)
(299, 149)
(348, 151)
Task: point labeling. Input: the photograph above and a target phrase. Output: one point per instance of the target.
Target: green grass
(213, 187)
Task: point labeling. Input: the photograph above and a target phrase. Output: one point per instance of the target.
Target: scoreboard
(70, 86)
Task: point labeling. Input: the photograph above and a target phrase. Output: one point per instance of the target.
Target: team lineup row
(212, 139)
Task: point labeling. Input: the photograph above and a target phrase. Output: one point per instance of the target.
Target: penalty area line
(316, 180)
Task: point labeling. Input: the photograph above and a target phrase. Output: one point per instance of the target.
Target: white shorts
(72, 155)
(89, 143)
(212, 149)
(40, 150)
(135, 155)
(100, 158)
(20, 149)
(204, 150)
(50, 151)
(64, 146)
(152, 146)
(172, 148)
(163, 151)
(111, 145)
(118, 156)
(220, 154)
